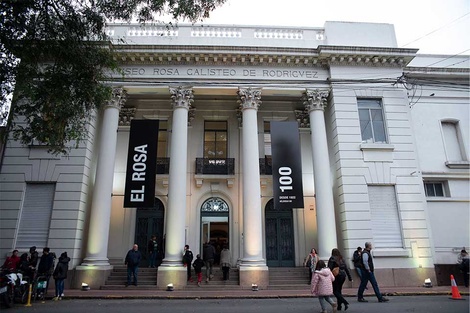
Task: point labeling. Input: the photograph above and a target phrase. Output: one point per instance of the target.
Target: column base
(94, 276)
(254, 275)
(176, 275)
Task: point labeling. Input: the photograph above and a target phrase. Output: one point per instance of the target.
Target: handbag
(335, 271)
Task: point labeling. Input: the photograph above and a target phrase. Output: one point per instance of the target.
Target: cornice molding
(323, 56)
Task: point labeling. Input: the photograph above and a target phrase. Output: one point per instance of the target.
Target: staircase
(288, 278)
(280, 278)
(147, 278)
(216, 283)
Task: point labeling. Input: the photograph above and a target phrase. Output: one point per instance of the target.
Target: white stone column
(95, 268)
(253, 266)
(98, 233)
(315, 102)
(171, 270)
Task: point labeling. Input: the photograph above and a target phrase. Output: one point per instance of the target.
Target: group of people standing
(33, 266)
(327, 279)
(207, 260)
(134, 257)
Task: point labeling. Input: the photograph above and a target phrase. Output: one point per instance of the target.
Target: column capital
(315, 99)
(118, 98)
(181, 97)
(249, 98)
(126, 115)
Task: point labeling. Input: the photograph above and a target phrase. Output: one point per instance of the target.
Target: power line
(438, 29)
(449, 58)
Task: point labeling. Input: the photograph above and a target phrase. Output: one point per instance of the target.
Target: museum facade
(383, 151)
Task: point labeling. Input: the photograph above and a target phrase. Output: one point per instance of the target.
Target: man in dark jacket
(187, 260)
(132, 261)
(208, 255)
(46, 263)
(368, 275)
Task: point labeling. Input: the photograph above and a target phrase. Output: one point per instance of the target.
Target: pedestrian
(60, 274)
(187, 260)
(463, 261)
(33, 259)
(208, 255)
(357, 261)
(322, 286)
(11, 262)
(46, 266)
(311, 262)
(132, 261)
(152, 248)
(23, 267)
(336, 260)
(368, 275)
(198, 264)
(225, 259)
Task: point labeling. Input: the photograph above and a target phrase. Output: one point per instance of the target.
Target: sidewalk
(135, 293)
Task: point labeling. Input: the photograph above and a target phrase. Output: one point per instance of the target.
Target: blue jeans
(324, 300)
(132, 270)
(59, 287)
(366, 277)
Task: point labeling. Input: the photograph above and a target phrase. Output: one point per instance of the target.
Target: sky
(432, 26)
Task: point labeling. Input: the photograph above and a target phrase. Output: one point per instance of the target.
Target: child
(322, 286)
(198, 264)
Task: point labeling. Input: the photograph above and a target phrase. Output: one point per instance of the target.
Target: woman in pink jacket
(322, 286)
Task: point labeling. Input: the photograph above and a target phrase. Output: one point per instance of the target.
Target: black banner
(287, 166)
(141, 164)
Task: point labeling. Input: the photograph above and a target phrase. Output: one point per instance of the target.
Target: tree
(56, 56)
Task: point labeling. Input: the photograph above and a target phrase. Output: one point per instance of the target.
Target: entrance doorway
(279, 236)
(215, 224)
(149, 221)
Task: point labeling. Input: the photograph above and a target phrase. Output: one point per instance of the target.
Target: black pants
(188, 268)
(338, 289)
(225, 272)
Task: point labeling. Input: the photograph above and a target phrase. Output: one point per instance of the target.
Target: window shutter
(452, 142)
(35, 216)
(386, 227)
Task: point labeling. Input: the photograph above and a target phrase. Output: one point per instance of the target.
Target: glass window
(434, 189)
(215, 139)
(371, 120)
(162, 144)
(267, 138)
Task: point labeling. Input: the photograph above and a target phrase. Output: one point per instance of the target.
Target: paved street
(414, 304)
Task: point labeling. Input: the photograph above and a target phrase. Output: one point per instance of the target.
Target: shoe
(335, 306)
(383, 299)
(207, 280)
(60, 298)
(211, 276)
(198, 284)
(55, 298)
(339, 307)
(346, 306)
(362, 300)
(62, 294)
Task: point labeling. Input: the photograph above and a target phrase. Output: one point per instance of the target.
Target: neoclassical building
(383, 143)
